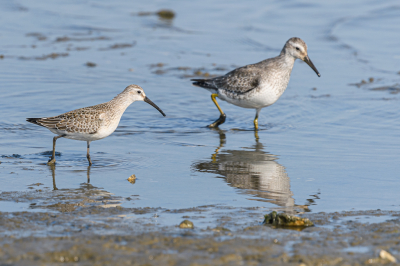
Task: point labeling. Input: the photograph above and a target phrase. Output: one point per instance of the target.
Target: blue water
(326, 143)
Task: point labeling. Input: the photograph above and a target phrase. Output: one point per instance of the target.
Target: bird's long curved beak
(147, 100)
(310, 63)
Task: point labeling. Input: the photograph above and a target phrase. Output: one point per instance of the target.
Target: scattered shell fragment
(284, 219)
(386, 255)
(132, 179)
(186, 224)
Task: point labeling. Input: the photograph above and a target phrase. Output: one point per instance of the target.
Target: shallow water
(328, 144)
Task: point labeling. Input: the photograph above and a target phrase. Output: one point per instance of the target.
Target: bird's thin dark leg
(222, 117)
(88, 155)
(88, 174)
(53, 156)
(53, 174)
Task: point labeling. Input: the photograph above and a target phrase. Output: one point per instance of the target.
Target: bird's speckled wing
(239, 81)
(84, 120)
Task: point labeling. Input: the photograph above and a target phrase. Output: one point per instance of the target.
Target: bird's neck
(286, 58)
(121, 102)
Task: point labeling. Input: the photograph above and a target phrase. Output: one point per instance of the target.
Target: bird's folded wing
(239, 81)
(85, 120)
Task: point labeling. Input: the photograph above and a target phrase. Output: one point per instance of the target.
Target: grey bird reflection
(254, 171)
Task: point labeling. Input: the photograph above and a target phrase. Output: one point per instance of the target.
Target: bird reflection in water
(254, 171)
(85, 194)
(53, 174)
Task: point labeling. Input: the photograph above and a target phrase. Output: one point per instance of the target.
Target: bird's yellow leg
(256, 123)
(222, 141)
(256, 135)
(214, 155)
(256, 119)
(222, 117)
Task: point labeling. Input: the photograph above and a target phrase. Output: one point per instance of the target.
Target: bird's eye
(297, 48)
(139, 92)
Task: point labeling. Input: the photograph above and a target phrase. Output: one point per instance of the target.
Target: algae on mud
(286, 220)
(186, 224)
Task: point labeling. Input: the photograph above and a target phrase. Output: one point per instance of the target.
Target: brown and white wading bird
(258, 85)
(93, 122)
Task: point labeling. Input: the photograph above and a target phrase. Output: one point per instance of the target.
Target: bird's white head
(297, 48)
(136, 93)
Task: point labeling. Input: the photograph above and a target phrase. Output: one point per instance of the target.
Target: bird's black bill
(308, 61)
(147, 100)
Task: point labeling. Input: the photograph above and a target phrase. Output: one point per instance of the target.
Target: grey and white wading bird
(258, 85)
(93, 122)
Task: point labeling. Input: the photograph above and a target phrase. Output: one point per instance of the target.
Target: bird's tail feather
(33, 120)
(204, 83)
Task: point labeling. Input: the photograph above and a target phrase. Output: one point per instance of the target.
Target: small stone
(371, 80)
(186, 224)
(91, 64)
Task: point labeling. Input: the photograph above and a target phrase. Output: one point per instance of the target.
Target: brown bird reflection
(253, 170)
(53, 174)
(69, 199)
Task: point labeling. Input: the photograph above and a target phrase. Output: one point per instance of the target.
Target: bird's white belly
(258, 98)
(102, 132)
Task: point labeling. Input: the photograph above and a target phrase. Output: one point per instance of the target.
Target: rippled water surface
(328, 144)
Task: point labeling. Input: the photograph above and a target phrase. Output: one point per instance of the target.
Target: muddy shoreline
(89, 231)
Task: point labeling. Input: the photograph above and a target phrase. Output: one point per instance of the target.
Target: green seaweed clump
(284, 220)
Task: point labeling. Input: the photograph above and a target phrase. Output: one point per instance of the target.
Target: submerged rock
(284, 219)
(166, 14)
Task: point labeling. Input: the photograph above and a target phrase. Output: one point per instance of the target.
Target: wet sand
(101, 236)
(89, 226)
